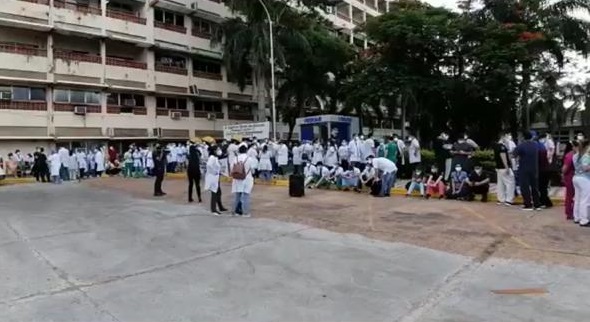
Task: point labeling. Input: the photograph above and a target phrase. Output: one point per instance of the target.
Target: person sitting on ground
(478, 183)
(366, 178)
(417, 183)
(458, 188)
(310, 172)
(435, 183)
(323, 177)
(350, 177)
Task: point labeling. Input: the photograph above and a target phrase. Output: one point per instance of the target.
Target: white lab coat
(331, 158)
(73, 162)
(99, 161)
(354, 148)
(246, 185)
(55, 164)
(343, 152)
(253, 155)
(265, 164)
(64, 156)
(82, 163)
(318, 154)
(283, 154)
(212, 174)
(137, 159)
(149, 159)
(401, 147)
(368, 148)
(307, 149)
(414, 151)
(297, 155)
(232, 153)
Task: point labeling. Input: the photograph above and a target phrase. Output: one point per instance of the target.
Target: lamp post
(272, 72)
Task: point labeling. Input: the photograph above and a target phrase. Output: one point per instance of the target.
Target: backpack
(238, 171)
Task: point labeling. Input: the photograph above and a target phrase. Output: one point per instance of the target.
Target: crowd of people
(364, 162)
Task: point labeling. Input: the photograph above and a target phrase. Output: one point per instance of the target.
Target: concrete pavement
(76, 253)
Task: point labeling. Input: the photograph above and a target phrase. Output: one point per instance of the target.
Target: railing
(115, 61)
(171, 69)
(343, 15)
(183, 113)
(69, 107)
(175, 28)
(43, 2)
(201, 74)
(73, 56)
(160, 111)
(201, 34)
(204, 114)
(23, 105)
(121, 15)
(240, 116)
(356, 21)
(73, 5)
(116, 109)
(22, 49)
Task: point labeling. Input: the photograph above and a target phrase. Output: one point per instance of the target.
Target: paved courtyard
(105, 250)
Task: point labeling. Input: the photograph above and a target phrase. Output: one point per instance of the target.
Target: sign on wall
(259, 130)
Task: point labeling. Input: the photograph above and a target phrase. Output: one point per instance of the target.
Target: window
(203, 26)
(76, 97)
(38, 94)
(120, 6)
(20, 93)
(168, 17)
(240, 108)
(207, 67)
(119, 99)
(173, 61)
(171, 103)
(208, 106)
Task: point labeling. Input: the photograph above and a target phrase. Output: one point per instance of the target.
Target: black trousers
(216, 200)
(479, 190)
(194, 179)
(544, 178)
(158, 182)
(529, 187)
(82, 173)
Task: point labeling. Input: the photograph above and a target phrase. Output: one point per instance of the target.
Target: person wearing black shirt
(462, 152)
(478, 184)
(505, 175)
(194, 172)
(40, 168)
(442, 153)
(160, 163)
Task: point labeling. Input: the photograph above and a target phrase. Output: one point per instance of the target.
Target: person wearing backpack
(242, 181)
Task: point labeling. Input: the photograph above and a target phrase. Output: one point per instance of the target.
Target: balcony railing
(23, 105)
(43, 2)
(116, 109)
(171, 27)
(69, 107)
(171, 69)
(22, 49)
(79, 7)
(201, 74)
(126, 16)
(201, 34)
(183, 113)
(74, 56)
(162, 111)
(114, 61)
(204, 114)
(342, 15)
(242, 116)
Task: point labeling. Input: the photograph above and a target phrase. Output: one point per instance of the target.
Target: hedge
(483, 157)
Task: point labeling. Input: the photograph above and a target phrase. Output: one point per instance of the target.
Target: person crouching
(478, 183)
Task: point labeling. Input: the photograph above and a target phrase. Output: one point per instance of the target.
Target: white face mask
(218, 152)
(418, 173)
(580, 137)
(458, 169)
(478, 171)
(434, 170)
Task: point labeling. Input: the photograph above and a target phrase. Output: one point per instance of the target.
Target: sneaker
(585, 224)
(246, 215)
(508, 204)
(499, 203)
(216, 213)
(528, 209)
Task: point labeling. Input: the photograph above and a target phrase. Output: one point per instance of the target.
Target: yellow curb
(13, 181)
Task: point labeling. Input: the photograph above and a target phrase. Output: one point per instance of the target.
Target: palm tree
(580, 95)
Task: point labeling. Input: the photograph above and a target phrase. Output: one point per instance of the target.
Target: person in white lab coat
(232, 151)
(368, 148)
(311, 174)
(354, 149)
(297, 158)
(265, 165)
(307, 151)
(82, 163)
(331, 158)
(137, 163)
(253, 154)
(318, 152)
(242, 188)
(283, 158)
(99, 161)
(149, 161)
(64, 159)
(212, 180)
(414, 153)
(55, 167)
(73, 166)
(343, 152)
(91, 163)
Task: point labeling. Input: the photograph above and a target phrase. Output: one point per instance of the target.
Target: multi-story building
(82, 72)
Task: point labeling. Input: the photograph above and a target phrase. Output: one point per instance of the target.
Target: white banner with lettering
(259, 130)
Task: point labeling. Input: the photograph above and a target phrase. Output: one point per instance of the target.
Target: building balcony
(212, 76)
(23, 105)
(76, 6)
(69, 107)
(42, 2)
(175, 28)
(138, 110)
(205, 35)
(171, 69)
(121, 15)
(166, 112)
(128, 63)
(30, 60)
(342, 15)
(78, 57)
(204, 114)
(241, 116)
(20, 14)
(22, 49)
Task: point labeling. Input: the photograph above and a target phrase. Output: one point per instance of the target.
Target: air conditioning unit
(110, 132)
(80, 110)
(157, 132)
(5, 96)
(211, 116)
(129, 103)
(175, 115)
(194, 6)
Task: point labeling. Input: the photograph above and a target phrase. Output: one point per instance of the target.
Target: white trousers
(448, 165)
(581, 199)
(505, 186)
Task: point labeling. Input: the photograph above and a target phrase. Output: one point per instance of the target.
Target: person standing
(331, 158)
(354, 149)
(264, 164)
(99, 162)
(391, 150)
(160, 163)
(64, 157)
(137, 163)
(149, 162)
(414, 153)
(242, 181)
(442, 153)
(527, 153)
(385, 170)
(128, 163)
(56, 167)
(505, 175)
(297, 158)
(232, 152)
(212, 176)
(283, 158)
(462, 152)
(568, 172)
(544, 174)
(582, 184)
(42, 167)
(194, 172)
(318, 152)
(73, 166)
(343, 152)
(82, 164)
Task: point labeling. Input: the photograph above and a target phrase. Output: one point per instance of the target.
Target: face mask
(478, 171)
(542, 140)
(218, 152)
(465, 137)
(418, 173)
(434, 170)
(458, 169)
(362, 137)
(509, 137)
(580, 137)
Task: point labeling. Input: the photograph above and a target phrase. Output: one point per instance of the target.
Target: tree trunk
(524, 95)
